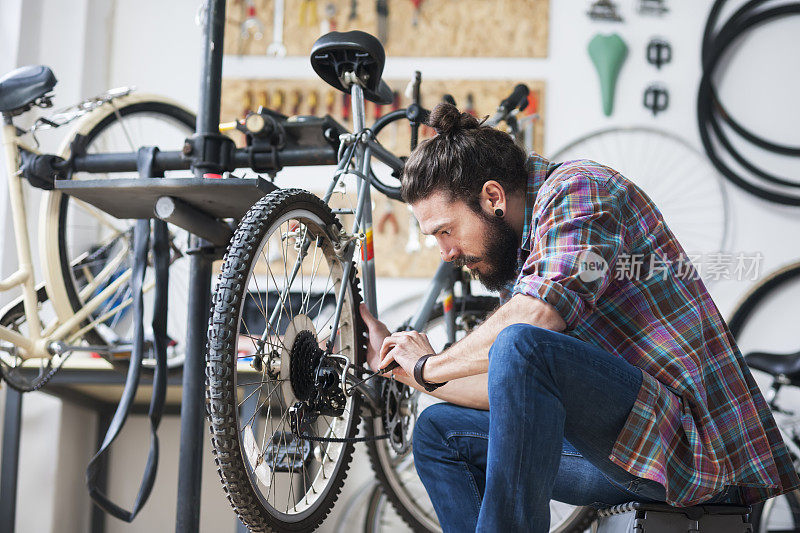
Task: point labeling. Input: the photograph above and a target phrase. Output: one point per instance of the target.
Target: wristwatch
(430, 387)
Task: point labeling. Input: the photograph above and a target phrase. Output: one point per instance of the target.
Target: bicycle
(83, 303)
(759, 311)
(285, 308)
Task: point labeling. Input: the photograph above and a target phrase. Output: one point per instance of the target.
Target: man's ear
(493, 197)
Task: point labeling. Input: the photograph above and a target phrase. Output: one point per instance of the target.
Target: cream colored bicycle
(83, 303)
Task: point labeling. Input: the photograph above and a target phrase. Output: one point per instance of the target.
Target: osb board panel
(445, 28)
(297, 96)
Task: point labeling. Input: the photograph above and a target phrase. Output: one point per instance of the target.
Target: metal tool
(382, 9)
(252, 25)
(415, 17)
(308, 13)
(277, 48)
(328, 23)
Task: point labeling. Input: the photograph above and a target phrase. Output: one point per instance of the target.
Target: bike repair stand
(209, 143)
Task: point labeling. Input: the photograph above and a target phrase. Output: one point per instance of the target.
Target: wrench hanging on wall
(277, 48)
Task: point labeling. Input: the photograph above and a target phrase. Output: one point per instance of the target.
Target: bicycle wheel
(400, 484)
(760, 320)
(686, 188)
(80, 241)
(274, 478)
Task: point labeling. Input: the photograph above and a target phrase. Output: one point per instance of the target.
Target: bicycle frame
(68, 325)
(360, 147)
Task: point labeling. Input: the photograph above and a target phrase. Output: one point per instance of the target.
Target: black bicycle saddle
(776, 364)
(337, 53)
(24, 86)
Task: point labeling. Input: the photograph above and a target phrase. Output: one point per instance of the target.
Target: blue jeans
(557, 405)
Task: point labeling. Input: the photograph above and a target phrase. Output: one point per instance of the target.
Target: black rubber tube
(709, 109)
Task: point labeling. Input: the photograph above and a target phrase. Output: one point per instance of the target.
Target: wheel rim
(686, 188)
(285, 497)
(90, 239)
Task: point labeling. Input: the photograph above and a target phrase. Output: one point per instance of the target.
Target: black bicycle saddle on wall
(337, 53)
(24, 86)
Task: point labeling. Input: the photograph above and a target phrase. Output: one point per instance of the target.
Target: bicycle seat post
(362, 163)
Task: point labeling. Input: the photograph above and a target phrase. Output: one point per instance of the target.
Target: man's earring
(498, 212)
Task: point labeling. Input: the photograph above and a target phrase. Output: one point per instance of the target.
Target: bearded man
(585, 386)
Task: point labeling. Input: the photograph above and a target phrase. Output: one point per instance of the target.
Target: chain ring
(397, 424)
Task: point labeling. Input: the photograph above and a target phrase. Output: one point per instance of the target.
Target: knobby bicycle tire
(238, 478)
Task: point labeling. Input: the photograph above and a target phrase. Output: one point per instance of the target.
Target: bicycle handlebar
(517, 100)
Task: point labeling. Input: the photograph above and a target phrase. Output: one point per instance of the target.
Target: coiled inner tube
(710, 110)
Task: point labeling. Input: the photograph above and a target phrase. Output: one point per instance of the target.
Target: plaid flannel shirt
(699, 423)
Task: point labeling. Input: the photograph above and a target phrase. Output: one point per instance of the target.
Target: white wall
(155, 45)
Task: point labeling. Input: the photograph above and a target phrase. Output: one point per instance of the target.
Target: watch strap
(418, 368)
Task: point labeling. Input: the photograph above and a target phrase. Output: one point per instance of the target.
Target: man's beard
(500, 254)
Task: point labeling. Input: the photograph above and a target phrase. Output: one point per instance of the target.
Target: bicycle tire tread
(220, 367)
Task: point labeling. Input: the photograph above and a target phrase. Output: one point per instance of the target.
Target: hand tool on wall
(415, 16)
(330, 102)
(277, 101)
(297, 99)
(388, 217)
(252, 25)
(346, 107)
(604, 10)
(328, 23)
(608, 53)
(396, 124)
(656, 98)
(382, 9)
(353, 10)
(308, 13)
(659, 52)
(448, 98)
(263, 100)
(313, 102)
(277, 48)
(247, 103)
(469, 106)
(653, 7)
(412, 244)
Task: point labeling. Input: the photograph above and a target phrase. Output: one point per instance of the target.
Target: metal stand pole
(190, 463)
(9, 464)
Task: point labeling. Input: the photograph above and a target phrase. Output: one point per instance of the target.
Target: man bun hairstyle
(447, 120)
(462, 156)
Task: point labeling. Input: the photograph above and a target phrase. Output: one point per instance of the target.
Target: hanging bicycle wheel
(280, 422)
(686, 188)
(86, 249)
(401, 502)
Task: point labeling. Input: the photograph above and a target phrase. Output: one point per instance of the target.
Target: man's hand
(377, 332)
(405, 347)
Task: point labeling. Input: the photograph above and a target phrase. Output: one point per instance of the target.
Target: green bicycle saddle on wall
(608, 53)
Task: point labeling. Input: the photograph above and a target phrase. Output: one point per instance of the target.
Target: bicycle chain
(41, 381)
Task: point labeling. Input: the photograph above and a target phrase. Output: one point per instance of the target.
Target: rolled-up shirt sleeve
(577, 235)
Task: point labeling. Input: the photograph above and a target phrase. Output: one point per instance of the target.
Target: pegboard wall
(395, 253)
(315, 97)
(436, 28)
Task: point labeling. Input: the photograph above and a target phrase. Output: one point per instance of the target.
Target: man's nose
(448, 253)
